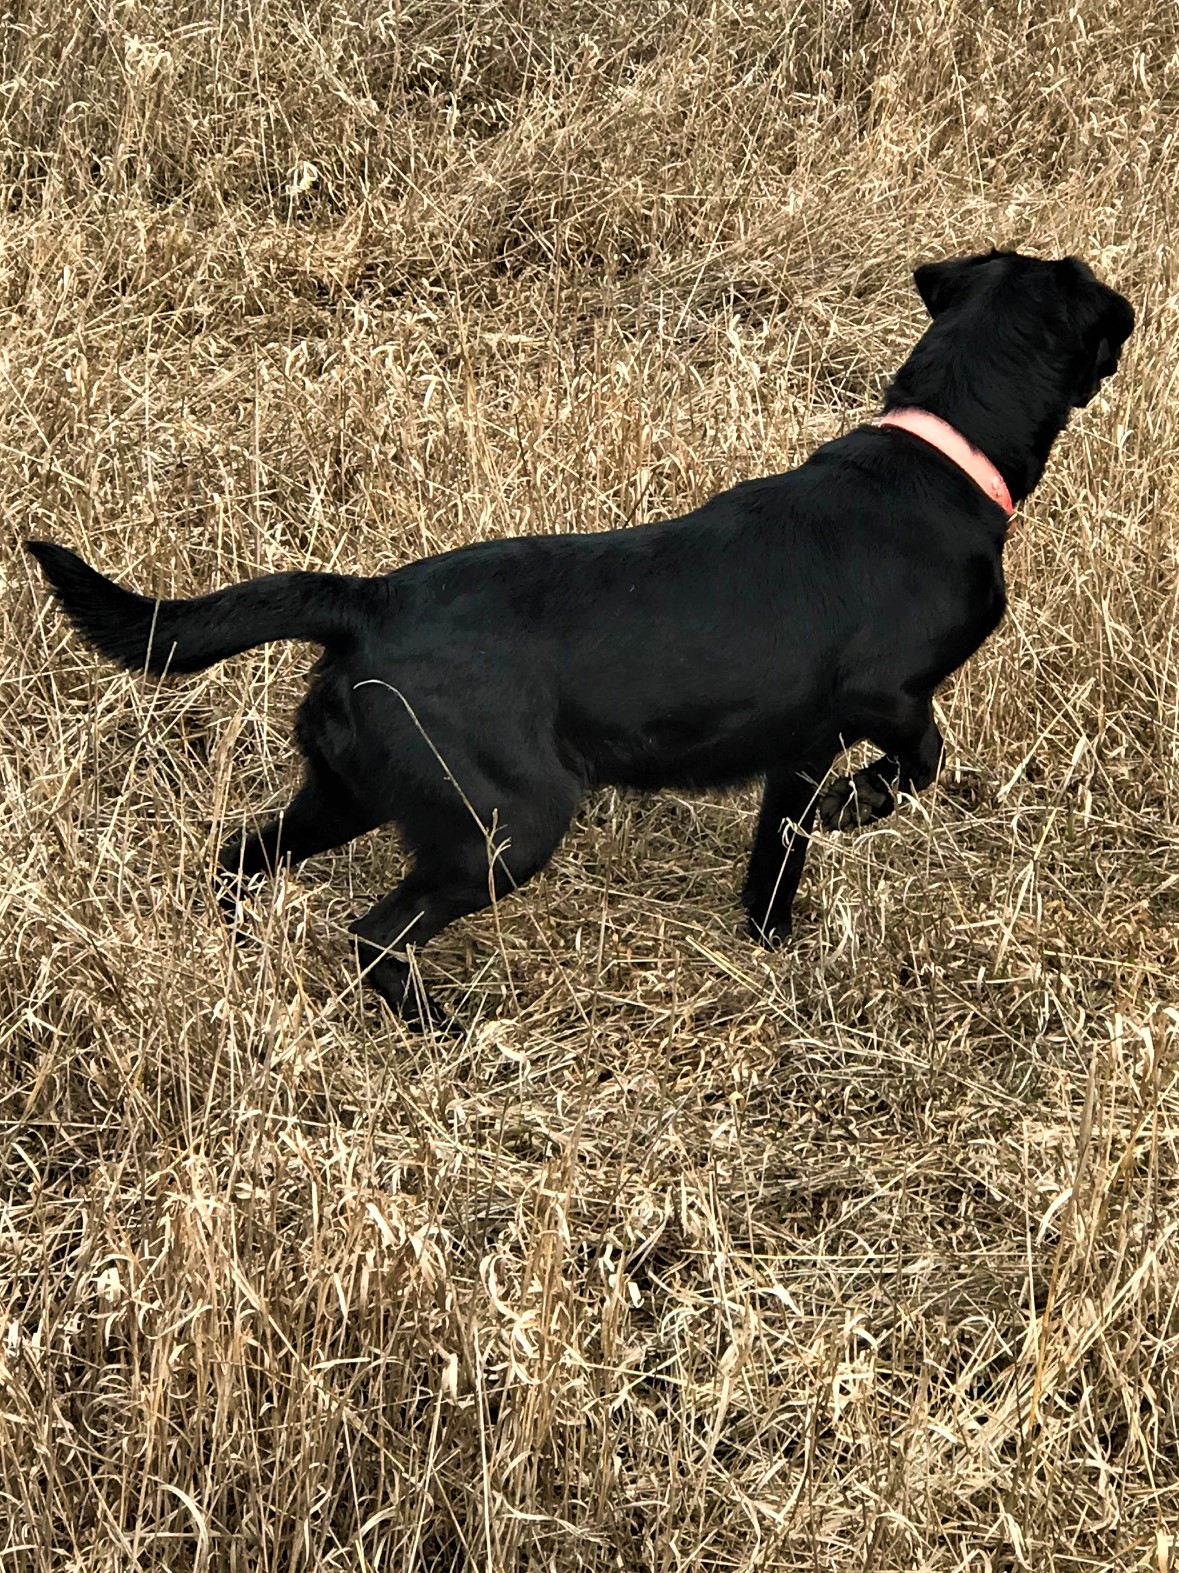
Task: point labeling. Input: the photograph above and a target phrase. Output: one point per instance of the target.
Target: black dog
(472, 698)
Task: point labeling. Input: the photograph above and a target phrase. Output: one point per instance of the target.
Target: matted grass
(858, 1256)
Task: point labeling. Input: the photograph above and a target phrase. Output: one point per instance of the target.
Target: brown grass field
(864, 1255)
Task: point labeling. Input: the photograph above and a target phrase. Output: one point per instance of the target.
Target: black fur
(472, 698)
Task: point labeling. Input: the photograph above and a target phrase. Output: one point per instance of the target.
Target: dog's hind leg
(779, 848)
(459, 870)
(322, 815)
(911, 762)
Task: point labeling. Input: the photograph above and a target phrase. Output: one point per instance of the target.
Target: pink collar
(941, 435)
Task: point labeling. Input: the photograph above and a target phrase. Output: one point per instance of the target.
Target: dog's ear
(1106, 322)
(940, 284)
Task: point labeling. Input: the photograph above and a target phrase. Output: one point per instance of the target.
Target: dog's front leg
(779, 849)
(911, 763)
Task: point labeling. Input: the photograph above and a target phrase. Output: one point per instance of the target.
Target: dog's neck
(949, 441)
(1011, 413)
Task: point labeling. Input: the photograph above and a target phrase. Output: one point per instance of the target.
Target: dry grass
(859, 1257)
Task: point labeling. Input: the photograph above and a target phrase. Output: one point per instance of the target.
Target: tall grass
(860, 1256)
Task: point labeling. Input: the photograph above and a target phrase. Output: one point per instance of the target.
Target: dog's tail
(146, 635)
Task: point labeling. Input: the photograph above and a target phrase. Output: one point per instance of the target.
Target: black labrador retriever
(472, 698)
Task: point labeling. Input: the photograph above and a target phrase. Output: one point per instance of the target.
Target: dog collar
(948, 440)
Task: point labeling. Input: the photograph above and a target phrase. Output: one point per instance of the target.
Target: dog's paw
(422, 1014)
(391, 978)
(850, 801)
(772, 934)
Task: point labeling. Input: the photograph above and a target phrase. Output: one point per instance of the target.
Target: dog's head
(1088, 321)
